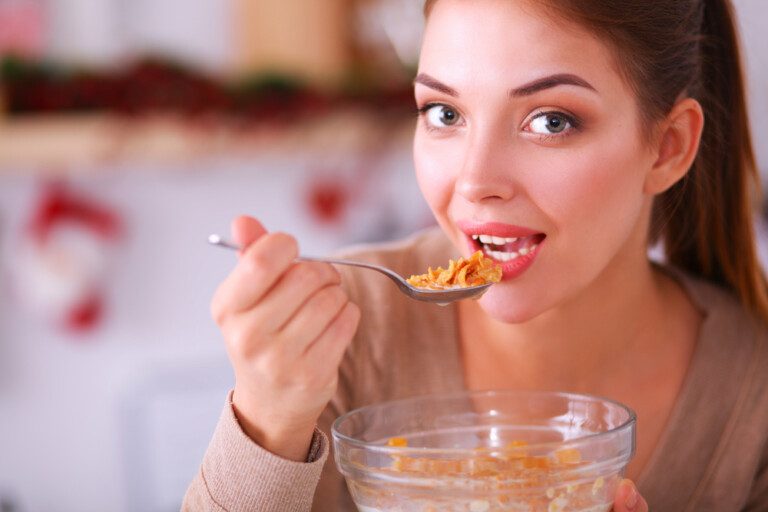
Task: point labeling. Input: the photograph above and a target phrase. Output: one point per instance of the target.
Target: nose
(484, 174)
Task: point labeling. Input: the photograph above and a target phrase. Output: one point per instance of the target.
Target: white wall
(103, 32)
(753, 18)
(118, 420)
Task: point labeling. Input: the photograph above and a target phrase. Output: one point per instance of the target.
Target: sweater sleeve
(239, 475)
(332, 492)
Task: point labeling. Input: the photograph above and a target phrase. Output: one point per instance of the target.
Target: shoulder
(726, 395)
(725, 317)
(732, 345)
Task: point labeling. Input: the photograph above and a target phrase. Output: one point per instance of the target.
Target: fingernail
(632, 498)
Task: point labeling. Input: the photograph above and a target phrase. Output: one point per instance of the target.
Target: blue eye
(440, 116)
(550, 123)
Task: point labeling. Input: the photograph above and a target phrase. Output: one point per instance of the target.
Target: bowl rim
(629, 424)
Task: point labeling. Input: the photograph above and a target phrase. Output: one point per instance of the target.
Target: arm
(286, 327)
(239, 475)
(235, 455)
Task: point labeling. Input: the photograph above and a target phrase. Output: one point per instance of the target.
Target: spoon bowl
(441, 297)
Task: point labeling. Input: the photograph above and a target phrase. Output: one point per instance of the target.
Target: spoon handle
(352, 263)
(217, 240)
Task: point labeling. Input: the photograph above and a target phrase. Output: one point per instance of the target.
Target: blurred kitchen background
(129, 131)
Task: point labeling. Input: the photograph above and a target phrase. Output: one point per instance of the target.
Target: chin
(508, 308)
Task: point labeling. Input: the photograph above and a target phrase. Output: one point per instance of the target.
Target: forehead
(510, 41)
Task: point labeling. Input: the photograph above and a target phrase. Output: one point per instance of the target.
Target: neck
(578, 345)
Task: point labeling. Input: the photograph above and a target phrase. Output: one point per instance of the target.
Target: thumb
(628, 498)
(246, 230)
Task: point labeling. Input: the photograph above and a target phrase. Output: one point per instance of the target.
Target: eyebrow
(549, 82)
(528, 89)
(433, 83)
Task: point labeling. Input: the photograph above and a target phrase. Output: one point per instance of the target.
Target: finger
(293, 289)
(628, 498)
(259, 268)
(313, 319)
(246, 230)
(330, 346)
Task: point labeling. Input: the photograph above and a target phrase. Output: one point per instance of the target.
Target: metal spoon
(441, 297)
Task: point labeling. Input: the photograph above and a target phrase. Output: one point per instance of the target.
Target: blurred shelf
(65, 144)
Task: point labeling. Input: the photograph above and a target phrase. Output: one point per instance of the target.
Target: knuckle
(244, 341)
(347, 322)
(258, 263)
(310, 276)
(350, 314)
(316, 275)
(331, 273)
(238, 338)
(269, 253)
(284, 244)
(335, 274)
(217, 311)
(332, 298)
(218, 306)
(353, 312)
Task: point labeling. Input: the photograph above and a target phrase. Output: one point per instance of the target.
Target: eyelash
(571, 119)
(421, 112)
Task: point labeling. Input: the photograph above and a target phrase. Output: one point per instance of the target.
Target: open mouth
(505, 249)
(514, 248)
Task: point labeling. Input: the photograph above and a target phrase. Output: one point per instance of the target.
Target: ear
(678, 143)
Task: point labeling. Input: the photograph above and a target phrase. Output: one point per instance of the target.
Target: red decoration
(328, 200)
(152, 85)
(63, 259)
(58, 204)
(86, 314)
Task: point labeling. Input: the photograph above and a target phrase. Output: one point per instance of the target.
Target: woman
(579, 132)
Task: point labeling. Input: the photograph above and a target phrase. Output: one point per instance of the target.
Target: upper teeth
(495, 240)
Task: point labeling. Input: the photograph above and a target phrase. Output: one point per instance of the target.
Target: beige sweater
(712, 457)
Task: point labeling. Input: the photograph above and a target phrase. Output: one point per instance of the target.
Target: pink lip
(495, 229)
(514, 268)
(509, 269)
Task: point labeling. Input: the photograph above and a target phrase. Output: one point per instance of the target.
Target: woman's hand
(628, 499)
(286, 326)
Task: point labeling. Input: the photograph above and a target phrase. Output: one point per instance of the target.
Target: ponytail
(706, 220)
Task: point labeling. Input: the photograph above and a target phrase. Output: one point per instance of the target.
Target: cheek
(589, 191)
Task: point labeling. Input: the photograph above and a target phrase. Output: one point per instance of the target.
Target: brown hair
(690, 47)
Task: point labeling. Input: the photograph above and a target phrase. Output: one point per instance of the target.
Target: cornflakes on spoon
(465, 272)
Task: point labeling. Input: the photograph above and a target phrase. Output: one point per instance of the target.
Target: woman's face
(529, 147)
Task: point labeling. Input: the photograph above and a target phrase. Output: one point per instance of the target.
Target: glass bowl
(488, 451)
